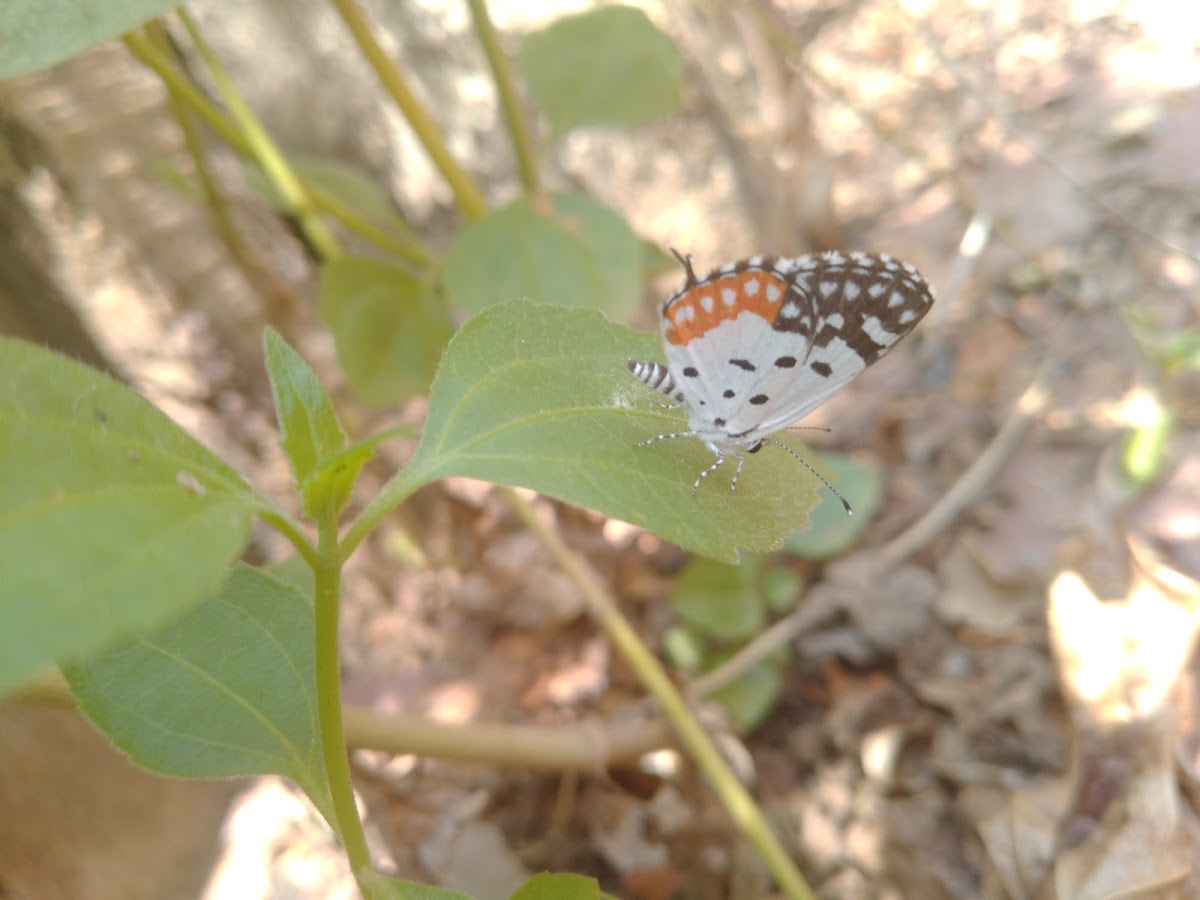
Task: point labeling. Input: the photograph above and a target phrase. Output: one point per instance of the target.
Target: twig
(183, 89)
(960, 496)
(1031, 404)
(588, 746)
(700, 748)
(262, 278)
(264, 150)
(764, 645)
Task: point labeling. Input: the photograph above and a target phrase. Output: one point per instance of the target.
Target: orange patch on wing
(694, 312)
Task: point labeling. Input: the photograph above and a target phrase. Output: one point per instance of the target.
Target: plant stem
(510, 105)
(283, 523)
(183, 89)
(588, 746)
(327, 591)
(264, 151)
(736, 800)
(392, 494)
(218, 206)
(153, 58)
(466, 192)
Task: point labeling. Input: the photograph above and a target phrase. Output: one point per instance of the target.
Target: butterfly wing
(722, 347)
(864, 304)
(757, 344)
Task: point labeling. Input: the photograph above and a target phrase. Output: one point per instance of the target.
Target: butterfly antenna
(686, 262)
(821, 477)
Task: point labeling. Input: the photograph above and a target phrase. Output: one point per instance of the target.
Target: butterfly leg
(716, 465)
(721, 457)
(738, 471)
(665, 437)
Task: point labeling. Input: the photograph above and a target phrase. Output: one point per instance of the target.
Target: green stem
(736, 800)
(329, 702)
(182, 88)
(295, 535)
(218, 206)
(410, 251)
(264, 151)
(392, 494)
(510, 105)
(153, 58)
(466, 192)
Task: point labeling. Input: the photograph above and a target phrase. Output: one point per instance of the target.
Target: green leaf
(112, 519)
(832, 531)
(779, 589)
(561, 248)
(609, 66)
(313, 438)
(719, 600)
(684, 648)
(38, 33)
(540, 397)
(228, 689)
(310, 427)
(328, 490)
(376, 886)
(1144, 448)
(390, 327)
(558, 886)
(1181, 352)
(750, 699)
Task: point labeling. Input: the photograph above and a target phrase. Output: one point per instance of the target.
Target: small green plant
(1157, 410)
(120, 524)
(722, 607)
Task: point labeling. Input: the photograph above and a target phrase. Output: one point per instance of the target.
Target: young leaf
(228, 689)
(750, 699)
(310, 427)
(112, 519)
(558, 886)
(540, 397)
(609, 66)
(328, 489)
(684, 649)
(780, 588)
(560, 248)
(377, 886)
(719, 600)
(390, 327)
(38, 33)
(312, 435)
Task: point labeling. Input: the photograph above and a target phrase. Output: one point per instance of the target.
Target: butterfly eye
(755, 447)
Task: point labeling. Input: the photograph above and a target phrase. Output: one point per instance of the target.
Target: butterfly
(759, 343)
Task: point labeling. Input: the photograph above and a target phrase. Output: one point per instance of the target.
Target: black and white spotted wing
(757, 344)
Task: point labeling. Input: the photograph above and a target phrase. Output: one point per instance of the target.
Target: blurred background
(987, 688)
